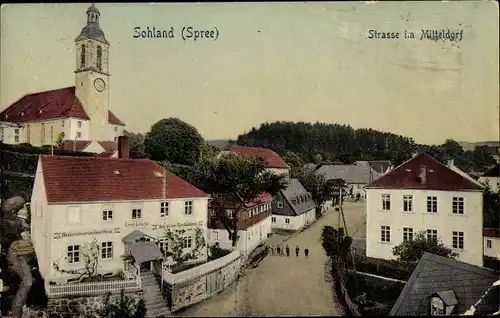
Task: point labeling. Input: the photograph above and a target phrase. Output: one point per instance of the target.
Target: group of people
(280, 251)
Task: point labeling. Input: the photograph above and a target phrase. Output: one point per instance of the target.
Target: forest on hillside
(321, 142)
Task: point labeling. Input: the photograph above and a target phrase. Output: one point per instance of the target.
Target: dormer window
(442, 303)
(437, 307)
(280, 205)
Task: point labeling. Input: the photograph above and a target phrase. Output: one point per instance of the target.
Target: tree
(175, 241)
(122, 307)
(60, 140)
(233, 181)
(90, 254)
(316, 184)
(491, 207)
(412, 251)
(174, 141)
(136, 144)
(336, 245)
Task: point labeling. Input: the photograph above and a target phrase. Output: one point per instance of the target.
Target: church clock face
(99, 84)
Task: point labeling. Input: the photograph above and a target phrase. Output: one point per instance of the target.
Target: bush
(217, 252)
(376, 289)
(386, 268)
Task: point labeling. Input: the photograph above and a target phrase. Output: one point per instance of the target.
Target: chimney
(423, 174)
(451, 163)
(123, 149)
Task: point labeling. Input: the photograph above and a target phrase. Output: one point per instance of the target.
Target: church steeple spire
(93, 14)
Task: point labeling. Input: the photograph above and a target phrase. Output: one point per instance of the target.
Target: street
(283, 286)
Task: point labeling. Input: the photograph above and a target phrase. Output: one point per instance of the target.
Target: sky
(274, 62)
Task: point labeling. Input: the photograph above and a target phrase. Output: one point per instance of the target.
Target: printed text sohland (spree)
(187, 33)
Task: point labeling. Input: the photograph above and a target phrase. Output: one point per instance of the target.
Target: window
(432, 235)
(107, 250)
(437, 307)
(163, 209)
(458, 240)
(42, 135)
(82, 56)
(163, 245)
(1, 133)
(188, 242)
(407, 203)
(73, 254)
(261, 208)
(136, 214)
(229, 213)
(74, 215)
(432, 204)
(107, 215)
(385, 234)
(78, 135)
(28, 133)
(280, 205)
(188, 207)
(215, 235)
(386, 202)
(99, 58)
(488, 243)
(458, 205)
(16, 138)
(62, 123)
(79, 124)
(116, 128)
(407, 234)
(287, 221)
(273, 219)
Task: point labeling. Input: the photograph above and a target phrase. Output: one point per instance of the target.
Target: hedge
(386, 268)
(376, 289)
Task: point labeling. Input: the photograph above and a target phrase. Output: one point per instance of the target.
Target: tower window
(99, 57)
(82, 56)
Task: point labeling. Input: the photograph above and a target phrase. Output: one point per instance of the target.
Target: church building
(80, 113)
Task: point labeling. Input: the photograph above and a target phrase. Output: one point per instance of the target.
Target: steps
(155, 303)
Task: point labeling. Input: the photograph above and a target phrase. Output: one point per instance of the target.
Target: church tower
(92, 77)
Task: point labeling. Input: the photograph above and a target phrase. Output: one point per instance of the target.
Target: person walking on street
(273, 249)
(287, 251)
(279, 250)
(297, 250)
(306, 252)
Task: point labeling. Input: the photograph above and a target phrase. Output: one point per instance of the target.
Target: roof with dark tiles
(435, 274)
(295, 199)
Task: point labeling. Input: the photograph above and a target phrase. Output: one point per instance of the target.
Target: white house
(127, 205)
(422, 194)
(253, 223)
(491, 242)
(293, 208)
(79, 112)
(492, 178)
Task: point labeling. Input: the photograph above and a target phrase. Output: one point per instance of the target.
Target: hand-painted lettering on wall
(94, 232)
(184, 224)
(136, 224)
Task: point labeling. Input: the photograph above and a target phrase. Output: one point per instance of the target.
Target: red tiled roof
(491, 232)
(90, 179)
(75, 145)
(272, 159)
(263, 197)
(106, 154)
(109, 146)
(53, 104)
(438, 176)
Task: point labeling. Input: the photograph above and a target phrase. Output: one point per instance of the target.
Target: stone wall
(76, 307)
(193, 291)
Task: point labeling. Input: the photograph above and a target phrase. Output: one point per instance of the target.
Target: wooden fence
(342, 291)
(80, 289)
